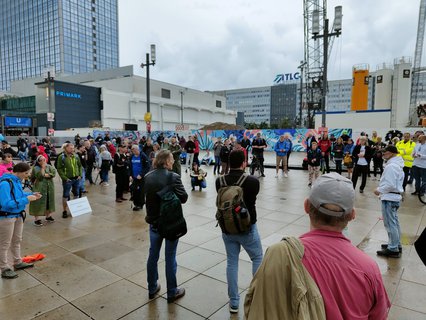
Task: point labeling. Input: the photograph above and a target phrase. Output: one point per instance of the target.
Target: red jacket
(197, 146)
(325, 146)
(112, 150)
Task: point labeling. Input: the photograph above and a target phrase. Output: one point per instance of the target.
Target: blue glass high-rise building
(73, 36)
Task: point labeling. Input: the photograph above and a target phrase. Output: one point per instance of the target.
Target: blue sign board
(18, 122)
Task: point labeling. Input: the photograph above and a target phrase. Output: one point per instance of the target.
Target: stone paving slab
(96, 263)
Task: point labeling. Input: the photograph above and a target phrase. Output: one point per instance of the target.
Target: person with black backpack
(236, 215)
(166, 222)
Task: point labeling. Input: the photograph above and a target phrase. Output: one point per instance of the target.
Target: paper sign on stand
(79, 206)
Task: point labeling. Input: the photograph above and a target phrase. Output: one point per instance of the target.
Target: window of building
(165, 93)
(218, 104)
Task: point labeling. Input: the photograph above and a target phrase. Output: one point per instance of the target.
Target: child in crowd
(314, 161)
(6, 166)
(198, 177)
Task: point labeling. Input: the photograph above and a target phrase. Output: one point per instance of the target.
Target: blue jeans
(233, 242)
(83, 180)
(23, 155)
(391, 222)
(104, 175)
(195, 182)
(152, 265)
(216, 164)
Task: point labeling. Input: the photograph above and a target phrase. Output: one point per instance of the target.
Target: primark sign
(283, 77)
(71, 95)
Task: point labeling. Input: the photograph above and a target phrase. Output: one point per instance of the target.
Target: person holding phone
(13, 201)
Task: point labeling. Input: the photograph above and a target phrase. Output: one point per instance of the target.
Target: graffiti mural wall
(208, 137)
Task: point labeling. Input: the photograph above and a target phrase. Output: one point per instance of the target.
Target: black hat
(392, 149)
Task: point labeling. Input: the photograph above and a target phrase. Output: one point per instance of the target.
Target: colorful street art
(208, 137)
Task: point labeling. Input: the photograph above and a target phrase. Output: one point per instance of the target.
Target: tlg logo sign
(283, 77)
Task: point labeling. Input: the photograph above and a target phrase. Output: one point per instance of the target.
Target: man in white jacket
(390, 190)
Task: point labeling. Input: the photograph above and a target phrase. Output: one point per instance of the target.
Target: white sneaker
(276, 176)
(285, 175)
(106, 184)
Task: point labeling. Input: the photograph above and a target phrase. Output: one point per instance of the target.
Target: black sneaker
(262, 175)
(233, 309)
(388, 253)
(152, 295)
(136, 208)
(50, 219)
(179, 294)
(201, 189)
(361, 191)
(64, 214)
(385, 246)
(38, 223)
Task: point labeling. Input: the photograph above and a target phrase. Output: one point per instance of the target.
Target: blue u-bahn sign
(18, 122)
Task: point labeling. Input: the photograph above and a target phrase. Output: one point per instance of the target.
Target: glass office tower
(73, 36)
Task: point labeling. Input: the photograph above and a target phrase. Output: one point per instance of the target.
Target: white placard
(79, 206)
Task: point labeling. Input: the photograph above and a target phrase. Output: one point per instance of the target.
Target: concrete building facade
(122, 100)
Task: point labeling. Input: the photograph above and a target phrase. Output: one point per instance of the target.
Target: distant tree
(285, 123)
(263, 125)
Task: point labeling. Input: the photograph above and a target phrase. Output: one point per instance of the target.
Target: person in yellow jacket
(405, 148)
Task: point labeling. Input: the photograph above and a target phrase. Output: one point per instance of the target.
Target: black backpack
(171, 224)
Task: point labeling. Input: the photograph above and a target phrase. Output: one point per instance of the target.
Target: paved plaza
(95, 264)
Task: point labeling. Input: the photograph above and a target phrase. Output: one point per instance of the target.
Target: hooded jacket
(390, 186)
(7, 202)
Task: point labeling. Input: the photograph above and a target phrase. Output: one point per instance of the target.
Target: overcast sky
(228, 44)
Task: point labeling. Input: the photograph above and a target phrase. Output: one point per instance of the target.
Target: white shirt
(390, 186)
(362, 161)
(420, 149)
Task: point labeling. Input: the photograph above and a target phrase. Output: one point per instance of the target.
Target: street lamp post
(302, 64)
(181, 107)
(49, 77)
(147, 63)
(337, 26)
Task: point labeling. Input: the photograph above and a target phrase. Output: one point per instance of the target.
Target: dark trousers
(216, 165)
(407, 171)
(138, 192)
(327, 163)
(338, 166)
(419, 174)
(121, 179)
(360, 170)
(378, 164)
(89, 170)
(196, 160)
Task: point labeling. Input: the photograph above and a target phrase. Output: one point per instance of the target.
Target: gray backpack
(232, 214)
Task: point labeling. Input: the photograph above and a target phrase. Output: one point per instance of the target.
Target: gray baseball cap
(332, 188)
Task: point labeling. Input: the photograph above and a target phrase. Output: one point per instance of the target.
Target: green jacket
(69, 167)
(46, 187)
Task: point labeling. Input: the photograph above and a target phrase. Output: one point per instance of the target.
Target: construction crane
(417, 64)
(314, 57)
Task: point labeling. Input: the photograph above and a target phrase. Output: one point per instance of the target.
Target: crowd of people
(332, 268)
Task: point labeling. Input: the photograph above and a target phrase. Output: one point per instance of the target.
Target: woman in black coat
(362, 157)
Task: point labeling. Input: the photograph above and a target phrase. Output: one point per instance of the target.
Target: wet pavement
(95, 264)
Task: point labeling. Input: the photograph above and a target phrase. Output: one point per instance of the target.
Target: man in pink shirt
(349, 280)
